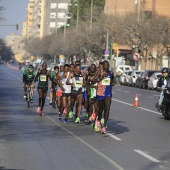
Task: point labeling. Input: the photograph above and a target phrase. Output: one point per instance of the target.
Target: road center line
(126, 92)
(147, 156)
(88, 145)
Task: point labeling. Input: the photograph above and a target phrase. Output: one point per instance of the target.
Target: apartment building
(15, 43)
(55, 15)
(44, 17)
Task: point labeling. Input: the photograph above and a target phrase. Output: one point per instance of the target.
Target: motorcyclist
(162, 82)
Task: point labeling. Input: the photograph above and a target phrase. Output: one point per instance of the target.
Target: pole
(57, 18)
(137, 38)
(64, 31)
(91, 14)
(77, 14)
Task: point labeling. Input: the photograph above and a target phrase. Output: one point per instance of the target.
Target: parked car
(127, 77)
(147, 74)
(122, 77)
(123, 68)
(133, 77)
(152, 83)
(139, 79)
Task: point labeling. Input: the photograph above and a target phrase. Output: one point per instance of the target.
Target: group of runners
(75, 89)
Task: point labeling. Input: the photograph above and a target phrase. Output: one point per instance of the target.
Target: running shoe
(103, 130)
(38, 109)
(41, 113)
(25, 96)
(50, 103)
(66, 121)
(97, 126)
(77, 120)
(86, 115)
(93, 116)
(102, 122)
(60, 119)
(32, 101)
(70, 115)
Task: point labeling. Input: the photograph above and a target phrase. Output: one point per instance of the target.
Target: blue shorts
(85, 94)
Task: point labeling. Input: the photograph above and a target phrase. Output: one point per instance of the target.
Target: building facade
(56, 15)
(148, 7)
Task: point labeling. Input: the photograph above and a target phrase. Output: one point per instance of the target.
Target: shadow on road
(116, 127)
(3, 168)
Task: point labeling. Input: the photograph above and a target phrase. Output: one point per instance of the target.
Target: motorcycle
(165, 108)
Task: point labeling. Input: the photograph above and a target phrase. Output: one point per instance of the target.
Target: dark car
(145, 77)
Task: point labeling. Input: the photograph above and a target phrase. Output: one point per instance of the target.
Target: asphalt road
(138, 137)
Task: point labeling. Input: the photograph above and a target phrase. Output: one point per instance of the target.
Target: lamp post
(77, 5)
(138, 3)
(91, 14)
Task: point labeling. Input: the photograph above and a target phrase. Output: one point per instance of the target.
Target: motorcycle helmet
(165, 70)
(31, 67)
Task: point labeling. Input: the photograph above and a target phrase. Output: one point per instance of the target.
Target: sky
(15, 13)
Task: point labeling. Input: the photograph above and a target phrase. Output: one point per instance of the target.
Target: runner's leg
(107, 102)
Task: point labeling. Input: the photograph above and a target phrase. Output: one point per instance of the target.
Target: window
(148, 14)
(52, 24)
(60, 24)
(53, 15)
(63, 6)
(61, 15)
(53, 5)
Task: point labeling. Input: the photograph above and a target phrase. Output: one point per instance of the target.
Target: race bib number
(43, 78)
(106, 81)
(78, 84)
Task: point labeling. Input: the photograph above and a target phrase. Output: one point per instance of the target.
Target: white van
(123, 68)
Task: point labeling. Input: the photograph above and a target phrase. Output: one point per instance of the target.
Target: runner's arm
(68, 80)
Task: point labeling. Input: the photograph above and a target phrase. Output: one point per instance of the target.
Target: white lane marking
(126, 92)
(14, 76)
(156, 95)
(147, 156)
(150, 97)
(139, 94)
(113, 136)
(88, 145)
(138, 107)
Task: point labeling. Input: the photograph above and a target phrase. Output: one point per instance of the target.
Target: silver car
(132, 78)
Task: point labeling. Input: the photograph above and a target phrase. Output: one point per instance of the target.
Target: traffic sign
(136, 56)
(106, 52)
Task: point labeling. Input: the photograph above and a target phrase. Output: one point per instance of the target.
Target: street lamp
(91, 14)
(77, 5)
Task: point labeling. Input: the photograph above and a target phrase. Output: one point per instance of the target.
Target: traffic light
(68, 22)
(17, 26)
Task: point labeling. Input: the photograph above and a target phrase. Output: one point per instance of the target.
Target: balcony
(30, 18)
(30, 23)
